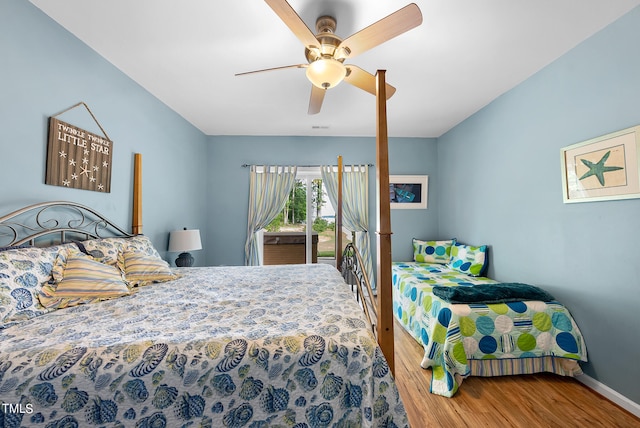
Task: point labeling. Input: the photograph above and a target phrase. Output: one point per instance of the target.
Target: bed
(212, 346)
(470, 325)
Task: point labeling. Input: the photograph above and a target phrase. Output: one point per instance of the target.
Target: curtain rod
(246, 165)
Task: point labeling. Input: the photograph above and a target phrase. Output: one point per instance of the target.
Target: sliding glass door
(306, 226)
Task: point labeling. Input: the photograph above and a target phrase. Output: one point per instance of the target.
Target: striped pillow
(78, 275)
(48, 299)
(142, 269)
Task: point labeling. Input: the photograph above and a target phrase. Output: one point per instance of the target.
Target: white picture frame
(603, 168)
(408, 191)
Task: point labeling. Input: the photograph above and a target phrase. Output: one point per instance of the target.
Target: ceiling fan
(326, 52)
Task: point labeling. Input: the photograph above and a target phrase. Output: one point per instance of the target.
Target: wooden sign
(77, 158)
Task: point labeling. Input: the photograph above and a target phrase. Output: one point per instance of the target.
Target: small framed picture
(603, 168)
(408, 191)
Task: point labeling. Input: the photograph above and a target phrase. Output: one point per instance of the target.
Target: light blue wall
(503, 188)
(229, 183)
(44, 70)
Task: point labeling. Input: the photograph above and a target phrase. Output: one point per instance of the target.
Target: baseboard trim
(610, 394)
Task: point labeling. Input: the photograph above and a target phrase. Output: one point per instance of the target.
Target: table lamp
(183, 241)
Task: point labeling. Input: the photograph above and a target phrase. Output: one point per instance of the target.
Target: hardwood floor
(541, 400)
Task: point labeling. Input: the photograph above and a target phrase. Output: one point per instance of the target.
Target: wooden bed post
(339, 218)
(136, 222)
(385, 297)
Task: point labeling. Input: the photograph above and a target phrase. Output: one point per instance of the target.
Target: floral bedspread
(502, 338)
(219, 347)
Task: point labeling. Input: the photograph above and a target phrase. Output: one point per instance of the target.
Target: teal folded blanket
(502, 292)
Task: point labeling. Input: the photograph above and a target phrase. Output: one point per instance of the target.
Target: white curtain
(355, 206)
(269, 188)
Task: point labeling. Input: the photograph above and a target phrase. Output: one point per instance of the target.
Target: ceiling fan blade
(289, 16)
(274, 68)
(379, 32)
(365, 80)
(315, 102)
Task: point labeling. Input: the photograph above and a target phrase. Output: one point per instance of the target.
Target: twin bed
(470, 325)
(212, 346)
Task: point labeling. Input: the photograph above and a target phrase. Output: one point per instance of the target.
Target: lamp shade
(326, 73)
(185, 240)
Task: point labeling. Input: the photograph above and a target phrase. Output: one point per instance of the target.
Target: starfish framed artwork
(603, 168)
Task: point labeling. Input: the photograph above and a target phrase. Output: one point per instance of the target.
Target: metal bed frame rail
(355, 274)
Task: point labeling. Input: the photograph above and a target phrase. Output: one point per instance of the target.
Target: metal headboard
(55, 222)
(354, 273)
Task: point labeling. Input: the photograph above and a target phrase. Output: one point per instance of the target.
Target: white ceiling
(464, 55)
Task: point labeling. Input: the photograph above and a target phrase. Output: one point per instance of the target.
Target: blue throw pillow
(468, 259)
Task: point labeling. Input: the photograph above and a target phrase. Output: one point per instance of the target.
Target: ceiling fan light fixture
(326, 73)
